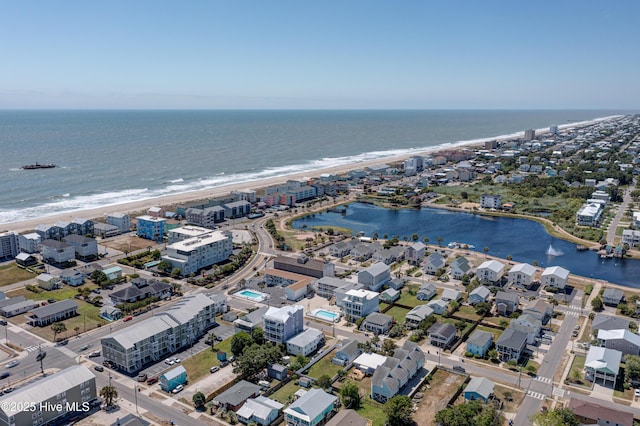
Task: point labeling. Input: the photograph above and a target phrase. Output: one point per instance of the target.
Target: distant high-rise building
(529, 134)
(553, 130)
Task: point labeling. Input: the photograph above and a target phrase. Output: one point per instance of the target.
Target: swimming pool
(253, 295)
(325, 315)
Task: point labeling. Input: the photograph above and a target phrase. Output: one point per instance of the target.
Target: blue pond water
(524, 240)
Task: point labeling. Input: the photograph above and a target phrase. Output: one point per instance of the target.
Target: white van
(264, 385)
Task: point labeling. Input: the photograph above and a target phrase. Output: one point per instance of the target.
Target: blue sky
(320, 54)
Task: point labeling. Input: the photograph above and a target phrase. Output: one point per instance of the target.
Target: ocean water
(111, 157)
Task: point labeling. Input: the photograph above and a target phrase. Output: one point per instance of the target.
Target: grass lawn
(496, 332)
(619, 391)
(11, 274)
(324, 366)
(397, 313)
(198, 365)
(496, 320)
(372, 411)
(454, 321)
(467, 312)
(577, 365)
(284, 394)
(408, 299)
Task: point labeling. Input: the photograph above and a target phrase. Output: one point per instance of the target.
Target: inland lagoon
(523, 240)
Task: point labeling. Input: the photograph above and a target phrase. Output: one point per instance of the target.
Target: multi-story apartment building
(150, 227)
(54, 399)
(185, 232)
(490, 201)
(121, 220)
(207, 217)
(327, 286)
(195, 253)
(8, 245)
(154, 338)
(81, 226)
(359, 303)
(237, 209)
(281, 324)
(57, 252)
(86, 248)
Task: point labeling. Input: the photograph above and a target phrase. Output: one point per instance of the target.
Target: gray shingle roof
(512, 338)
(237, 393)
(54, 308)
(479, 338)
(480, 385)
(313, 403)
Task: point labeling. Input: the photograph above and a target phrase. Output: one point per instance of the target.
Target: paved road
(613, 226)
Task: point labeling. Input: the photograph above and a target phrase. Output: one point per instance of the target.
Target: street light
(136, 390)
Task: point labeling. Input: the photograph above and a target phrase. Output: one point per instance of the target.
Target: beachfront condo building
(358, 303)
(491, 201)
(207, 217)
(163, 334)
(8, 245)
(29, 243)
(185, 232)
(151, 228)
(193, 254)
(281, 324)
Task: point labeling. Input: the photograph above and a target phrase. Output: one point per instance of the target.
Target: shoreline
(184, 197)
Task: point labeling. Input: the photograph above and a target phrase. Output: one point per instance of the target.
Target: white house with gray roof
(378, 323)
(375, 276)
(506, 303)
(602, 364)
(415, 252)
(522, 274)
(529, 324)
(306, 342)
(612, 296)
(555, 276)
(152, 339)
(37, 402)
(396, 372)
(433, 262)
(416, 315)
(490, 271)
(511, 344)
(478, 295)
(622, 340)
(479, 388)
(347, 352)
(608, 322)
(260, 410)
(426, 291)
(311, 409)
(460, 267)
(53, 312)
(281, 324)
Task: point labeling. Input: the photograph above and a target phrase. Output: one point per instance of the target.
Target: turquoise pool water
(252, 295)
(325, 315)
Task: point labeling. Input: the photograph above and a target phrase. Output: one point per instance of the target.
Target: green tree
(440, 239)
(485, 250)
(388, 347)
(99, 277)
(164, 266)
(399, 410)
(597, 304)
(324, 381)
(492, 354)
(199, 400)
(556, 417)
(632, 368)
(109, 394)
(483, 308)
(176, 272)
(58, 327)
(257, 335)
(256, 358)
(239, 342)
(415, 237)
(350, 395)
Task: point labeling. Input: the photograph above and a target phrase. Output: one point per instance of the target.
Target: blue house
(479, 388)
(151, 228)
(172, 378)
(479, 342)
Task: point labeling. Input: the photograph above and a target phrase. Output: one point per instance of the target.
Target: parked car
(94, 354)
(177, 360)
(169, 361)
(151, 380)
(4, 375)
(98, 368)
(177, 389)
(127, 318)
(224, 363)
(3, 322)
(214, 369)
(142, 377)
(219, 338)
(7, 390)
(13, 363)
(459, 368)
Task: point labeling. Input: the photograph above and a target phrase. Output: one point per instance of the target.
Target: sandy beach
(172, 200)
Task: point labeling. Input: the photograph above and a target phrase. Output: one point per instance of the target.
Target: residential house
(26, 259)
(53, 312)
(522, 274)
(281, 324)
(237, 209)
(120, 220)
(426, 291)
(369, 362)
(590, 413)
(357, 303)
(439, 306)
(479, 388)
(527, 324)
(442, 335)
(539, 309)
(81, 226)
(347, 352)
(311, 409)
(622, 340)
(173, 378)
(305, 342)
(612, 296)
(72, 277)
(141, 289)
(433, 262)
(416, 315)
(590, 213)
(378, 323)
(36, 402)
(250, 321)
(602, 364)
(555, 276)
(339, 249)
(150, 227)
(415, 252)
(479, 294)
(511, 344)
(375, 276)
(396, 283)
(16, 306)
(326, 286)
(156, 212)
(460, 267)
(362, 252)
(506, 303)
(86, 249)
(389, 295)
(113, 273)
(48, 282)
(397, 370)
(234, 397)
(608, 322)
(479, 342)
(348, 417)
(207, 217)
(260, 410)
(110, 313)
(277, 371)
(29, 243)
(490, 271)
(56, 252)
(450, 295)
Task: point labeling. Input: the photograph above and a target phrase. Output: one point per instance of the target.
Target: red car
(129, 318)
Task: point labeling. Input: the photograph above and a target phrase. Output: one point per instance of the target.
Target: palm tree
(109, 393)
(485, 250)
(440, 239)
(58, 327)
(77, 330)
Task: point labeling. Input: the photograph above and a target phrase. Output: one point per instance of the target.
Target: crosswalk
(31, 348)
(543, 379)
(572, 313)
(536, 395)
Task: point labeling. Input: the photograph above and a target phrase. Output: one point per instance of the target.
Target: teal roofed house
(172, 378)
(311, 409)
(113, 272)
